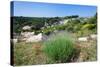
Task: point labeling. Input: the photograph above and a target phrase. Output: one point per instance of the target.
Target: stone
(26, 28)
(15, 40)
(27, 34)
(35, 38)
(93, 36)
(83, 39)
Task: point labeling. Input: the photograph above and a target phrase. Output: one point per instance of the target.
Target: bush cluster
(59, 47)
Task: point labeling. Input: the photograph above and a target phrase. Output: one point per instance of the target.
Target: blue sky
(36, 9)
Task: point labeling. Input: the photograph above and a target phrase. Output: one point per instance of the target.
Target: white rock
(27, 34)
(23, 39)
(93, 36)
(83, 39)
(32, 33)
(35, 38)
(15, 40)
(26, 28)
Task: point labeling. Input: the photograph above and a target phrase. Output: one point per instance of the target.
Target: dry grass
(88, 51)
(32, 53)
(28, 54)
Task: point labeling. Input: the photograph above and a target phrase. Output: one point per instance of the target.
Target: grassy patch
(28, 54)
(88, 51)
(59, 47)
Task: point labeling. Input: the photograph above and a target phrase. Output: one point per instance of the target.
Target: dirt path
(40, 58)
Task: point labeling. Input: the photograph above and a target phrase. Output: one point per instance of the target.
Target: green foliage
(50, 29)
(73, 25)
(73, 16)
(47, 30)
(88, 26)
(60, 27)
(36, 22)
(59, 47)
(92, 20)
(50, 24)
(86, 30)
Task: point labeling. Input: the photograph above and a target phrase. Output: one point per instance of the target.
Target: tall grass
(59, 47)
(26, 54)
(23, 54)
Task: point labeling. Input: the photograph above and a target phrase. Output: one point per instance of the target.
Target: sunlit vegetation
(61, 46)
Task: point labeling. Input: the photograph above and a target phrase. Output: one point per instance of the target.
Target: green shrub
(47, 31)
(60, 27)
(59, 47)
(88, 26)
